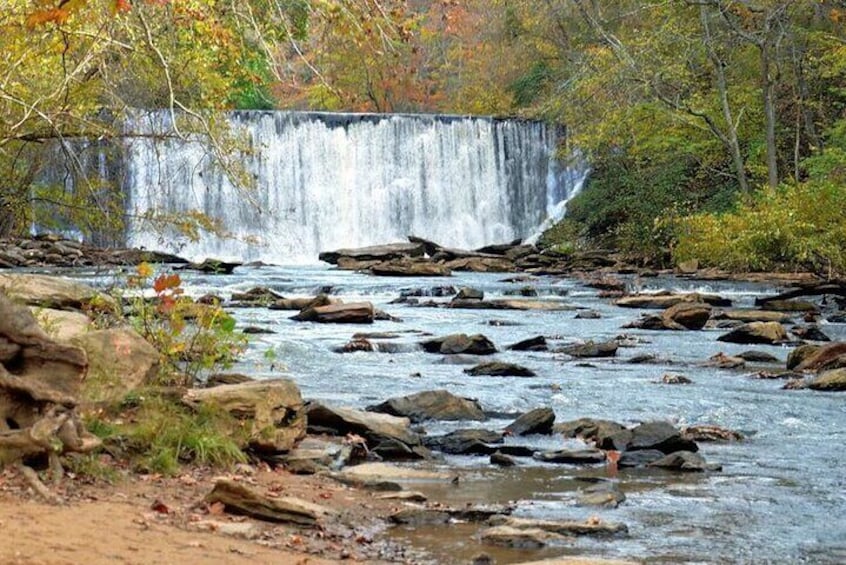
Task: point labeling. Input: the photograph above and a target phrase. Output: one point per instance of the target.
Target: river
(781, 496)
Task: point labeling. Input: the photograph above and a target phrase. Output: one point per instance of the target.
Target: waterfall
(324, 181)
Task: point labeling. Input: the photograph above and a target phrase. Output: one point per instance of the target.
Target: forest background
(715, 129)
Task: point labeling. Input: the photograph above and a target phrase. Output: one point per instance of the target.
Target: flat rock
(62, 325)
(351, 313)
(640, 458)
(537, 421)
(410, 268)
(747, 316)
(53, 292)
(603, 494)
(500, 369)
(272, 408)
(374, 252)
(758, 357)
(587, 429)
(431, 405)
(465, 442)
(709, 432)
(212, 267)
(241, 499)
(372, 426)
(369, 472)
(756, 332)
(663, 301)
(591, 349)
(687, 315)
(590, 527)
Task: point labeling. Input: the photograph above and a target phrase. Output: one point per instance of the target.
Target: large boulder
(829, 380)
(687, 315)
(352, 313)
(431, 405)
(120, 361)
(62, 325)
(588, 429)
(40, 380)
(53, 292)
(756, 332)
(476, 344)
(374, 253)
(537, 421)
(660, 436)
(829, 356)
(273, 410)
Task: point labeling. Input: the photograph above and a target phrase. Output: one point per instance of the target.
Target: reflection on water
(780, 497)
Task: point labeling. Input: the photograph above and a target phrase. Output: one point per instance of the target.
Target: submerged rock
(476, 344)
(572, 456)
(500, 369)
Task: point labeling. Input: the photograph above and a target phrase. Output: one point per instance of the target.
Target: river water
(780, 498)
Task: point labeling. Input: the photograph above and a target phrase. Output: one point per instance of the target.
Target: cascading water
(325, 181)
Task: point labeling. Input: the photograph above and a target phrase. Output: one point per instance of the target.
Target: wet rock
(465, 442)
(603, 494)
(572, 456)
(476, 344)
(811, 333)
(756, 332)
(687, 315)
(662, 436)
(374, 473)
(374, 253)
(357, 344)
(758, 357)
(241, 499)
(527, 291)
(395, 450)
(404, 496)
(457, 360)
(708, 432)
(257, 296)
(481, 264)
(120, 360)
(537, 343)
(500, 369)
(537, 421)
(723, 361)
(502, 460)
(212, 267)
(639, 458)
(663, 301)
(510, 304)
(374, 427)
(431, 405)
(669, 379)
(829, 380)
(591, 349)
(829, 356)
(684, 461)
(410, 268)
(415, 516)
(588, 429)
(272, 409)
(469, 293)
(352, 313)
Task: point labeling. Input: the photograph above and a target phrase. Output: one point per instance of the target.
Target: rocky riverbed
(520, 419)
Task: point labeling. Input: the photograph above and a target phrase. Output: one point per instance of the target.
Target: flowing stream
(781, 496)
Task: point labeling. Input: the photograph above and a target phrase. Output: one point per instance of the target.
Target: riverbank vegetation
(709, 124)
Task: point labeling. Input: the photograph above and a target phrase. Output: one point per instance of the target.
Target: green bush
(797, 226)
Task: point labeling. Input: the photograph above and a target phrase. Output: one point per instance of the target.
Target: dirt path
(146, 520)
